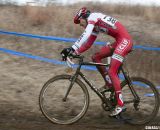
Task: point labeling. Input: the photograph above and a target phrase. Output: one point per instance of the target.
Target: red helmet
(82, 13)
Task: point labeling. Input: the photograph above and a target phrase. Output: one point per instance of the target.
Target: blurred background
(42, 2)
(22, 78)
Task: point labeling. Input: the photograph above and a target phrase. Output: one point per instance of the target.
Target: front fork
(72, 80)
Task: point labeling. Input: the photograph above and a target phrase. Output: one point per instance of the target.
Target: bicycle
(69, 104)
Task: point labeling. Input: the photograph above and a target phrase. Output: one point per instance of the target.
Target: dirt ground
(21, 81)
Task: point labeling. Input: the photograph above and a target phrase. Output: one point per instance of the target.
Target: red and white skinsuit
(98, 22)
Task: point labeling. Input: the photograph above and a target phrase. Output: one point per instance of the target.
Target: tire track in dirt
(23, 120)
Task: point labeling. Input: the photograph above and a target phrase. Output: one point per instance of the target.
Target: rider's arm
(88, 44)
(84, 37)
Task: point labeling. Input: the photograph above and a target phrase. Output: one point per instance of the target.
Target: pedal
(124, 109)
(123, 118)
(116, 116)
(120, 117)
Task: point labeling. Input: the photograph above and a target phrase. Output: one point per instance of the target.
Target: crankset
(109, 101)
(105, 107)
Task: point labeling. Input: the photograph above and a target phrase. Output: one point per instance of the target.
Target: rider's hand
(65, 52)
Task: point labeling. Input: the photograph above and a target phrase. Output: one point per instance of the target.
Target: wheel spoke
(62, 102)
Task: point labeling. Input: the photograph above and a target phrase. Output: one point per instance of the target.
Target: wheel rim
(63, 112)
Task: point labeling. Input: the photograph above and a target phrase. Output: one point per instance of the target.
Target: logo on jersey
(81, 36)
(122, 46)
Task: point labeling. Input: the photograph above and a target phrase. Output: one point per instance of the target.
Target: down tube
(91, 85)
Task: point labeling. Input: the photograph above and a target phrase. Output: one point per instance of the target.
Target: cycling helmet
(82, 13)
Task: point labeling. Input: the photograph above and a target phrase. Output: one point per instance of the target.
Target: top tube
(94, 64)
(81, 62)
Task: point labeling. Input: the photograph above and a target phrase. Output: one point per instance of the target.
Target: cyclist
(95, 23)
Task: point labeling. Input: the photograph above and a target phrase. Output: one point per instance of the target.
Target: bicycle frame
(104, 99)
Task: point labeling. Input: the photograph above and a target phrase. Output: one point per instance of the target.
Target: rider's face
(83, 23)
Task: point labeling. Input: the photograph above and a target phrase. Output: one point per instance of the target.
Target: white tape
(69, 62)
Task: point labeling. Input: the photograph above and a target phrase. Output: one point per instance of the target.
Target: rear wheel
(60, 109)
(147, 108)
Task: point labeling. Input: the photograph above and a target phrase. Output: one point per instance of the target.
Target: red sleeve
(87, 45)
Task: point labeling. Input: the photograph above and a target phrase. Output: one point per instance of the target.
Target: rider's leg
(120, 52)
(97, 57)
(113, 73)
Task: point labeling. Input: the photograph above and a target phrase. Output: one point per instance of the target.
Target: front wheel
(63, 103)
(147, 108)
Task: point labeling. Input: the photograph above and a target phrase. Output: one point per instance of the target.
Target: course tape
(70, 40)
(57, 62)
(45, 37)
(53, 61)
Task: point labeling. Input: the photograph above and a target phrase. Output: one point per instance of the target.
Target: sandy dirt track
(21, 81)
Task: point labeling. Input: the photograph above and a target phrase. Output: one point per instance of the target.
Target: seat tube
(127, 78)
